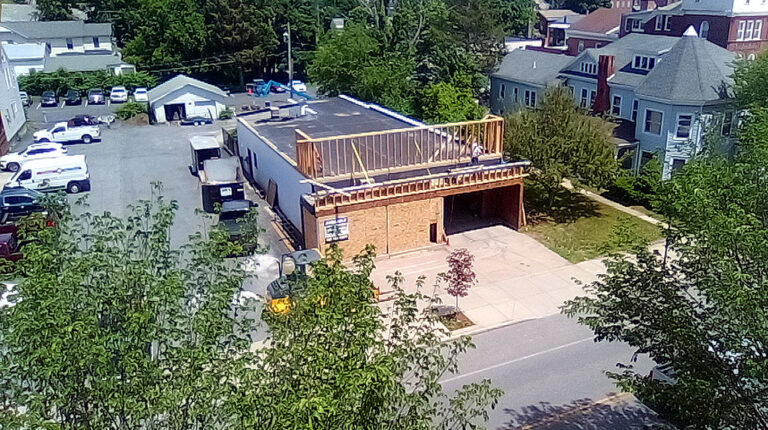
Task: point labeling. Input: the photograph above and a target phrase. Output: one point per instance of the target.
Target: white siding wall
(272, 165)
(196, 102)
(11, 110)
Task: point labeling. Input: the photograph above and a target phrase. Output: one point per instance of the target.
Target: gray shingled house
(661, 89)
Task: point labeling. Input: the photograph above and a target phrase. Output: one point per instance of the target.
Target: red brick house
(737, 25)
(597, 29)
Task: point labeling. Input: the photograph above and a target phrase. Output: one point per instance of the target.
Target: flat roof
(329, 117)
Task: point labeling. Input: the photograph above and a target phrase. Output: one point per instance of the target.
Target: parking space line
(38, 105)
(108, 102)
(62, 105)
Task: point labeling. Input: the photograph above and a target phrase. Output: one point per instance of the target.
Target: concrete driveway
(518, 277)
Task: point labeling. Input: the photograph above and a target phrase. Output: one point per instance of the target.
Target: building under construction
(346, 172)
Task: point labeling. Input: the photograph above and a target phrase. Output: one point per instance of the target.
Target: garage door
(203, 108)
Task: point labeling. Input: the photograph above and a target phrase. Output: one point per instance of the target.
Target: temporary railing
(370, 153)
(443, 183)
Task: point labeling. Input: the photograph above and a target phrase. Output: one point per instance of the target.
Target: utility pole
(287, 37)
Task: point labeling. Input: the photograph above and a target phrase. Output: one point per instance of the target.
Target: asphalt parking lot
(129, 158)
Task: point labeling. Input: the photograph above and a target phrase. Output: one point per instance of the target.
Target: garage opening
(479, 209)
(175, 112)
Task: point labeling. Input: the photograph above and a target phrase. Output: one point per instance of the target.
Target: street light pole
(290, 61)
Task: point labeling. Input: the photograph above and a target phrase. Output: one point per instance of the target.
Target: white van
(68, 172)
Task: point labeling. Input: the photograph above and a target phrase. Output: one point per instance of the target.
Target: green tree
(750, 82)
(336, 361)
(580, 6)
(450, 101)
(110, 328)
(563, 142)
(701, 304)
(168, 32)
(55, 10)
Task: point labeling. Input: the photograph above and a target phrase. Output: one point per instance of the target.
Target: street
(551, 372)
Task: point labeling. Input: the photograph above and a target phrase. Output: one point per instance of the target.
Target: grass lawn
(587, 233)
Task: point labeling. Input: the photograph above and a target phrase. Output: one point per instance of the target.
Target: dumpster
(203, 148)
(221, 180)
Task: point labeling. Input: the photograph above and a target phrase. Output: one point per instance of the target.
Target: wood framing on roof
(364, 154)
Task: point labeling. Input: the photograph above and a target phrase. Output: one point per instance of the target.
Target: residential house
(737, 25)
(597, 29)
(553, 23)
(11, 110)
(522, 78)
(72, 45)
(664, 87)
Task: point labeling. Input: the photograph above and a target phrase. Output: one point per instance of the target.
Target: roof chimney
(605, 69)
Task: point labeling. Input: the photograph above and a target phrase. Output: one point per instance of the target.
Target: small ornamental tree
(460, 276)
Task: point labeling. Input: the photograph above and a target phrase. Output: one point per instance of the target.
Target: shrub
(637, 190)
(62, 80)
(130, 110)
(226, 114)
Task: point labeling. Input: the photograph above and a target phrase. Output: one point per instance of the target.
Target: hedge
(62, 80)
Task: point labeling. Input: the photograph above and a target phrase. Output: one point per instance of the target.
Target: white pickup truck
(63, 133)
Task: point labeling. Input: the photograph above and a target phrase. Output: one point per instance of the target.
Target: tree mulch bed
(456, 321)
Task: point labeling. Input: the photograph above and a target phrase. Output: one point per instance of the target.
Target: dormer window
(643, 62)
(588, 68)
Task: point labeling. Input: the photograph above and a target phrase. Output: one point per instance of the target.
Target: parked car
(26, 100)
(63, 133)
(82, 120)
(96, 96)
(50, 174)
(17, 202)
(298, 86)
(13, 160)
(73, 98)
(118, 95)
(140, 95)
(49, 98)
(9, 246)
(197, 120)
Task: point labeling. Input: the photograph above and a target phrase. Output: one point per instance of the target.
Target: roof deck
(339, 140)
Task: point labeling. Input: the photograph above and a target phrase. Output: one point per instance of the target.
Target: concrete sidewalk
(518, 277)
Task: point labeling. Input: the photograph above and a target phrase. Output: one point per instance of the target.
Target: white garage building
(184, 97)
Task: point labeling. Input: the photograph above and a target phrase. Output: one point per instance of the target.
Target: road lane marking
(516, 360)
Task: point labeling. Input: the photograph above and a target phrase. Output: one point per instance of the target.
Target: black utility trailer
(221, 180)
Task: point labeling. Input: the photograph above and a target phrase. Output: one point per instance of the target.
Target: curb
(479, 330)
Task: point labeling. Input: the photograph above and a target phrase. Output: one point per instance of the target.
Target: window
(502, 90)
(592, 97)
(727, 124)
(70, 44)
(642, 62)
(633, 25)
(584, 97)
(684, 126)
(572, 89)
(667, 23)
(95, 42)
(677, 164)
(27, 174)
(704, 31)
(659, 23)
(653, 121)
(751, 57)
(530, 98)
(616, 106)
(750, 30)
(581, 46)
(18, 200)
(588, 67)
(645, 157)
(514, 93)
(57, 130)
